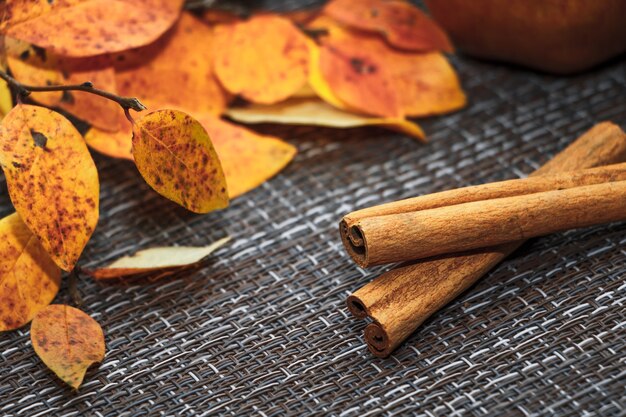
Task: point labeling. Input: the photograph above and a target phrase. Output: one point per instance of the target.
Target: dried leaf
(248, 159)
(156, 260)
(315, 112)
(29, 279)
(176, 71)
(419, 84)
(82, 28)
(264, 59)
(35, 66)
(68, 341)
(52, 180)
(115, 144)
(175, 156)
(401, 23)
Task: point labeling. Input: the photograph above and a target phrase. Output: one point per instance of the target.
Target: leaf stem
(23, 90)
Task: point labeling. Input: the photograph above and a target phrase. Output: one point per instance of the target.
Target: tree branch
(24, 90)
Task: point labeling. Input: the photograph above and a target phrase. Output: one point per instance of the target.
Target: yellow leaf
(35, 66)
(315, 112)
(248, 159)
(175, 156)
(82, 28)
(29, 279)
(52, 180)
(157, 259)
(6, 100)
(68, 341)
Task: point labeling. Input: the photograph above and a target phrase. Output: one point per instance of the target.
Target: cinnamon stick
(485, 215)
(400, 300)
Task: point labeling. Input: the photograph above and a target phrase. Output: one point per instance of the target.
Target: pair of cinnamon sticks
(454, 237)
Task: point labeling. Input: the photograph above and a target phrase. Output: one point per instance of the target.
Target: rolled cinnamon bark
(400, 300)
(484, 215)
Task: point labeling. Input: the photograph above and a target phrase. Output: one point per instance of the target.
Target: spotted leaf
(175, 156)
(52, 180)
(68, 341)
(29, 279)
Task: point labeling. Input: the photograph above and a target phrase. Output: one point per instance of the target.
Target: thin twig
(25, 90)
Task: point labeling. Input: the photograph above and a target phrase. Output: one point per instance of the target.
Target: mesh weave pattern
(262, 329)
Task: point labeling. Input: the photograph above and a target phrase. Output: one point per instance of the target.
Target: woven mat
(263, 328)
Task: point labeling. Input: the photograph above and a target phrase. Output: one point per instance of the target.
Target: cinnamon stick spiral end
(377, 340)
(357, 307)
(354, 242)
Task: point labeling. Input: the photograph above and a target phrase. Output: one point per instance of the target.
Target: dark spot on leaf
(25, 55)
(39, 138)
(361, 66)
(16, 164)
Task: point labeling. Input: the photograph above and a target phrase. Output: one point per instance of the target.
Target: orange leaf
(29, 279)
(35, 66)
(359, 78)
(160, 259)
(115, 144)
(248, 159)
(52, 180)
(419, 84)
(175, 156)
(68, 341)
(82, 28)
(177, 70)
(264, 59)
(403, 25)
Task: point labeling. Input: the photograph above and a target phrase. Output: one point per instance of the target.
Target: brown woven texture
(262, 329)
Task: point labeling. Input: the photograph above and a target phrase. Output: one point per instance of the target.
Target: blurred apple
(559, 36)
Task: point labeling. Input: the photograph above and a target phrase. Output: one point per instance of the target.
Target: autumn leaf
(172, 258)
(115, 144)
(174, 72)
(264, 59)
(37, 67)
(417, 84)
(315, 112)
(29, 279)
(359, 78)
(68, 341)
(402, 24)
(248, 159)
(52, 180)
(81, 28)
(175, 156)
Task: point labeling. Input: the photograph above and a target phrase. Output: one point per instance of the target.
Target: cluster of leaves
(351, 63)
